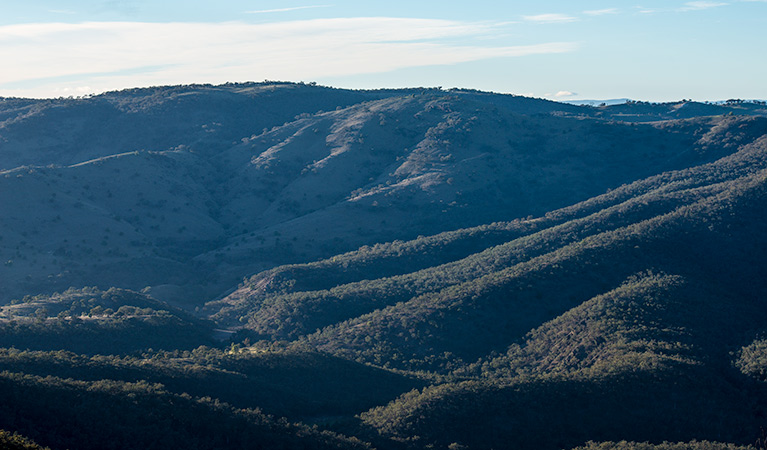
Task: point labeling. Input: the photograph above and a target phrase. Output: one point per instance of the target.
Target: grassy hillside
(227, 181)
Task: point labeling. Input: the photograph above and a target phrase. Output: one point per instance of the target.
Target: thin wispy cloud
(61, 11)
(701, 5)
(601, 12)
(550, 18)
(113, 55)
(295, 8)
(643, 10)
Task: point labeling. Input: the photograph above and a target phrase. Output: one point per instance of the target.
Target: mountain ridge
(290, 265)
(233, 209)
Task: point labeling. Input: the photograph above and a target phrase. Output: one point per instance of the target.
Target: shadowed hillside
(203, 266)
(189, 189)
(655, 287)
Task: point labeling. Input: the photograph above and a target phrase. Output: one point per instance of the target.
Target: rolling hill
(296, 266)
(194, 187)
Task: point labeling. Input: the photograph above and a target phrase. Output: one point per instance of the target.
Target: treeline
(285, 381)
(109, 414)
(558, 412)
(93, 321)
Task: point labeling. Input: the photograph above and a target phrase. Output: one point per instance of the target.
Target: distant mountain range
(456, 269)
(610, 102)
(620, 101)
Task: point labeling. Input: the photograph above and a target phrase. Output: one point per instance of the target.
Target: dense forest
(277, 265)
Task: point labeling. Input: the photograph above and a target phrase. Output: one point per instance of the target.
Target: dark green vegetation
(416, 269)
(91, 321)
(14, 441)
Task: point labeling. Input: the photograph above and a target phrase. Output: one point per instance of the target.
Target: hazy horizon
(654, 51)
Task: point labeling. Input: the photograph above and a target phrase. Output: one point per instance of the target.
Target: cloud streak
(550, 18)
(295, 8)
(47, 58)
(701, 5)
(601, 12)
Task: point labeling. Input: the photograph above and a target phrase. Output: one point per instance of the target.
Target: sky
(563, 50)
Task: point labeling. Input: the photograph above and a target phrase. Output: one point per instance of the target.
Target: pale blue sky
(645, 50)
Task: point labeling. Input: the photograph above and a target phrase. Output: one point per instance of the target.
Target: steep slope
(650, 360)
(295, 300)
(241, 178)
(495, 308)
